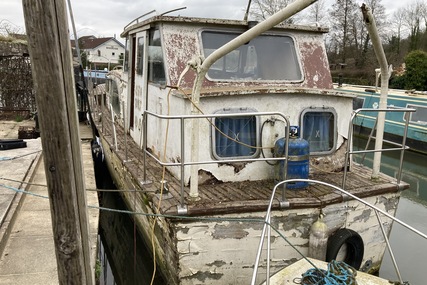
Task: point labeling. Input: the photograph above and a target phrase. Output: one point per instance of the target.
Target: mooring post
(51, 63)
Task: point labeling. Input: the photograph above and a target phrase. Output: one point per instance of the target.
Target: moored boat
(197, 128)
(368, 97)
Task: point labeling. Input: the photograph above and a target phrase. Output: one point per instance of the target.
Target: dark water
(125, 257)
(410, 250)
(123, 251)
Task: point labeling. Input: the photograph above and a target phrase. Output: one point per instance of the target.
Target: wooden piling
(50, 52)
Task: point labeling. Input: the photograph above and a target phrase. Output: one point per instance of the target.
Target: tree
(316, 12)
(342, 16)
(416, 66)
(121, 58)
(85, 61)
(360, 33)
(397, 25)
(413, 14)
(263, 9)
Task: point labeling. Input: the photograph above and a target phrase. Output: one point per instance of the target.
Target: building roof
(92, 42)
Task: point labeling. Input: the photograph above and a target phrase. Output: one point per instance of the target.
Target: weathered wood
(49, 45)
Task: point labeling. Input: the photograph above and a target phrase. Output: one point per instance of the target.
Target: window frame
(214, 132)
(357, 101)
(411, 114)
(150, 78)
(140, 55)
(335, 128)
(295, 52)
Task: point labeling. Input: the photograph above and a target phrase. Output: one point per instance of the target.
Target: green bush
(416, 70)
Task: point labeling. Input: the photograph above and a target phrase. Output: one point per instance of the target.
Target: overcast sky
(106, 18)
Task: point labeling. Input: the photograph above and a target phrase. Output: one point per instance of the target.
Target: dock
(26, 237)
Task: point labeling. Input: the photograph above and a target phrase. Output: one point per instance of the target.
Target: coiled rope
(338, 273)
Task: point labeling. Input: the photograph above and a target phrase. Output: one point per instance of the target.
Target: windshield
(267, 57)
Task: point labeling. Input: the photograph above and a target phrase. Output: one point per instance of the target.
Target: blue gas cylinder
(298, 161)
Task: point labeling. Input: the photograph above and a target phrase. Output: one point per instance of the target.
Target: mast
(369, 20)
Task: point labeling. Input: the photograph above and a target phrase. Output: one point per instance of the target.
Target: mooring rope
(338, 273)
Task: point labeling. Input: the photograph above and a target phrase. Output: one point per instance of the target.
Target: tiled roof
(91, 42)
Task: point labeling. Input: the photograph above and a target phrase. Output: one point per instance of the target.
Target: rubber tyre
(355, 247)
(6, 144)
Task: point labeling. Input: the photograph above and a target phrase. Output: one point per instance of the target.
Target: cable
(338, 273)
(213, 125)
(18, 156)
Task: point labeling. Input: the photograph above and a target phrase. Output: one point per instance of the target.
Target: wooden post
(50, 52)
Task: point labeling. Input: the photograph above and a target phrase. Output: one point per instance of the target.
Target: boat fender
(354, 243)
(318, 239)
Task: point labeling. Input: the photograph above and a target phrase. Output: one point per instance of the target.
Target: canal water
(409, 249)
(125, 259)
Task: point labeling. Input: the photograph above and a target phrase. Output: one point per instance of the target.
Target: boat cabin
(206, 118)
(282, 74)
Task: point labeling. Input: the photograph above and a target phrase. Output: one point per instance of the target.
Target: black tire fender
(355, 247)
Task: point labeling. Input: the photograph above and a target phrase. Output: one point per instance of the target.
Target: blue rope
(338, 273)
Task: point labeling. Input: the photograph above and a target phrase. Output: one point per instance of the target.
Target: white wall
(110, 52)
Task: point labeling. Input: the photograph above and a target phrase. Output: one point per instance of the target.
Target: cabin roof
(92, 42)
(236, 90)
(138, 23)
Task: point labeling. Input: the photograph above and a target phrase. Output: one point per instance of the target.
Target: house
(101, 50)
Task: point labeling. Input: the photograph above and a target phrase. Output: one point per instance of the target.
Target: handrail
(184, 163)
(114, 126)
(268, 217)
(401, 147)
(136, 20)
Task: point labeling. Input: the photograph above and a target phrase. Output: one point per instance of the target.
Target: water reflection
(123, 251)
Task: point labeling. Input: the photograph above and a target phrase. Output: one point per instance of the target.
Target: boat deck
(218, 197)
(288, 275)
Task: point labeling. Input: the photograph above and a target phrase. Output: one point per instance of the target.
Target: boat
(368, 97)
(206, 117)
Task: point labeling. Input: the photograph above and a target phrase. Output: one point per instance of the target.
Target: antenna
(247, 11)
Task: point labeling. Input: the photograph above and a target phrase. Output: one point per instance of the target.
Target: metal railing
(184, 163)
(399, 147)
(283, 203)
(267, 229)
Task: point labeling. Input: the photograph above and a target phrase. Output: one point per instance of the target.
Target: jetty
(26, 237)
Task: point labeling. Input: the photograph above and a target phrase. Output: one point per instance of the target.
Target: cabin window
(319, 128)
(126, 57)
(140, 56)
(267, 57)
(358, 103)
(156, 69)
(235, 137)
(114, 96)
(419, 116)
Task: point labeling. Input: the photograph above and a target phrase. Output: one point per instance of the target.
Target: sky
(106, 18)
